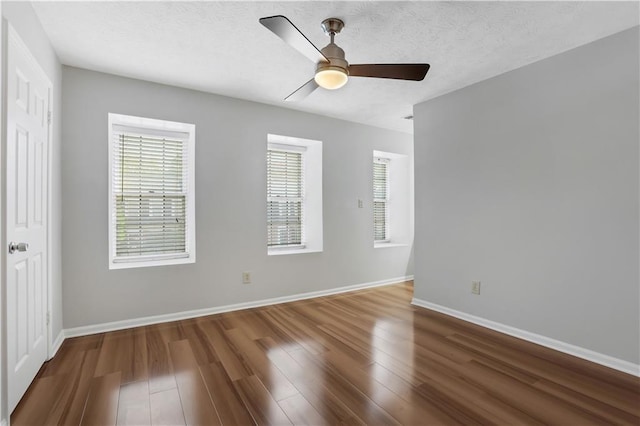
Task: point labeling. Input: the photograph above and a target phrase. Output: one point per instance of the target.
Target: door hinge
(48, 318)
(48, 117)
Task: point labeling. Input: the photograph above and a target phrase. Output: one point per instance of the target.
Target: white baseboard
(589, 355)
(157, 319)
(57, 343)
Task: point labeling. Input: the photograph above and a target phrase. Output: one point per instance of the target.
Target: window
(392, 192)
(151, 192)
(380, 199)
(294, 195)
(285, 197)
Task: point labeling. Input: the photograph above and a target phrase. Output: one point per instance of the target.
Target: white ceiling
(220, 47)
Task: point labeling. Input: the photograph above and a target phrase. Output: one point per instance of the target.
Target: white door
(28, 98)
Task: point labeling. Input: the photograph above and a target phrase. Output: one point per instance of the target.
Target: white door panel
(28, 99)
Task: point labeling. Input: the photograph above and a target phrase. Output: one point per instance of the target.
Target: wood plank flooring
(367, 357)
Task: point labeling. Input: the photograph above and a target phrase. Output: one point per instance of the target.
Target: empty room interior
(346, 212)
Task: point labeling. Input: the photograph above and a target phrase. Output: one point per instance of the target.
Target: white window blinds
(285, 198)
(380, 199)
(149, 178)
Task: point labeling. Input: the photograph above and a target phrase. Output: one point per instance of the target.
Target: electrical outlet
(360, 204)
(246, 277)
(475, 287)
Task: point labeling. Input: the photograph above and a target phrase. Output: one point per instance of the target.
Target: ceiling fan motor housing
(335, 55)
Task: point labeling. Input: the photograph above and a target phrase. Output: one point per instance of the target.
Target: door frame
(4, 402)
(11, 36)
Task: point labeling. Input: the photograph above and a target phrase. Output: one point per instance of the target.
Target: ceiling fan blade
(414, 72)
(284, 28)
(303, 91)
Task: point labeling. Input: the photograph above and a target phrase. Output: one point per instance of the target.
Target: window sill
(144, 263)
(388, 245)
(287, 251)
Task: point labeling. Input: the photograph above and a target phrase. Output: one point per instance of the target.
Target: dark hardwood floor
(367, 357)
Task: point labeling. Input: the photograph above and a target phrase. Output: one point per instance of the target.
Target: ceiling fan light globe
(331, 79)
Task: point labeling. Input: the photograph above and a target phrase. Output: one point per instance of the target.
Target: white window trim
(312, 205)
(156, 127)
(388, 244)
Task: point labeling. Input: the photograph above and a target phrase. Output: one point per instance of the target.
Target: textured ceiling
(220, 47)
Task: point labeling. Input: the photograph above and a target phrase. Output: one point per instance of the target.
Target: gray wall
(24, 20)
(528, 182)
(230, 203)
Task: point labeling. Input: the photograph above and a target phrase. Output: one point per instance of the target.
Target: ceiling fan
(332, 69)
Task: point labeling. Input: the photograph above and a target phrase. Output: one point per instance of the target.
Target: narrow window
(294, 195)
(381, 199)
(152, 219)
(285, 197)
